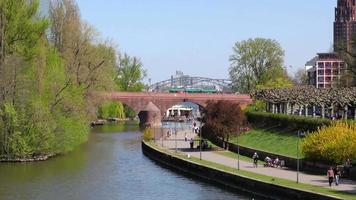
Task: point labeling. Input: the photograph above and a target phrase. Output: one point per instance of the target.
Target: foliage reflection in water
(109, 166)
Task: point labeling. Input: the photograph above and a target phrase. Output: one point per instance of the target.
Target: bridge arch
(139, 100)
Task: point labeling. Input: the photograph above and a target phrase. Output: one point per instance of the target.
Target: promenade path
(213, 156)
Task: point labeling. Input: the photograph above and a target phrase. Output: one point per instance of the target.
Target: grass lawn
(274, 141)
(259, 177)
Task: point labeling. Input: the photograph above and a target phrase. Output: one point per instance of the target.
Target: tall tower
(345, 24)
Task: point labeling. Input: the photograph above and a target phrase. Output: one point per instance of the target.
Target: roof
(312, 62)
(151, 107)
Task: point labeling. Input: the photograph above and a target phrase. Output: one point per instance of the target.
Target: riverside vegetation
(50, 70)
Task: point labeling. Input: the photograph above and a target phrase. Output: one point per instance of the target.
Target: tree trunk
(292, 109)
(300, 110)
(332, 112)
(323, 111)
(355, 112)
(314, 114)
(273, 107)
(346, 111)
(306, 110)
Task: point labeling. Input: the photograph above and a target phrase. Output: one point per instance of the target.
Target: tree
(224, 118)
(90, 63)
(130, 74)
(20, 29)
(301, 77)
(254, 59)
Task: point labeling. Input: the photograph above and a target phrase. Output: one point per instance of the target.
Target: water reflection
(109, 166)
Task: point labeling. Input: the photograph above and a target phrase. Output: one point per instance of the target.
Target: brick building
(345, 24)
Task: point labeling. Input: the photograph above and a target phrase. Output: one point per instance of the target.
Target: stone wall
(257, 189)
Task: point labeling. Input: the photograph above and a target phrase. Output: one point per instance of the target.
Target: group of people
(272, 163)
(334, 174)
(269, 162)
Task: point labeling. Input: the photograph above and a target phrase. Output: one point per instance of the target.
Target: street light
(175, 132)
(200, 140)
(238, 150)
(154, 127)
(300, 133)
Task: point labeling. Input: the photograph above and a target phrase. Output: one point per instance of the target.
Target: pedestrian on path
(330, 175)
(255, 159)
(337, 174)
(191, 143)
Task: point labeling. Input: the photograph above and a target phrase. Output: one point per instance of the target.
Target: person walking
(255, 159)
(191, 143)
(337, 174)
(330, 175)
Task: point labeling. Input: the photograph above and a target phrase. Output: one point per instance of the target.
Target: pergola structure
(310, 101)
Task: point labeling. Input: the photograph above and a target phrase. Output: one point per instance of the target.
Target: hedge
(291, 122)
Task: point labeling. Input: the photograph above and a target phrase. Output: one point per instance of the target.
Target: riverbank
(281, 177)
(32, 159)
(229, 177)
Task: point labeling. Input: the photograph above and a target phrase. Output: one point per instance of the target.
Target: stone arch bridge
(139, 101)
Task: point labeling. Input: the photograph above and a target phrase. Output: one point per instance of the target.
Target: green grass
(259, 177)
(278, 142)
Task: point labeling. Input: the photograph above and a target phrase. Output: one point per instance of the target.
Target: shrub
(148, 134)
(333, 144)
(292, 122)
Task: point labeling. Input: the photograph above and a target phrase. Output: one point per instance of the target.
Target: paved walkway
(213, 156)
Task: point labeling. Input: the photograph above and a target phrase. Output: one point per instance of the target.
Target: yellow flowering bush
(334, 143)
(148, 134)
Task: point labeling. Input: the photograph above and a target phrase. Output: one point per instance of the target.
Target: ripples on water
(110, 166)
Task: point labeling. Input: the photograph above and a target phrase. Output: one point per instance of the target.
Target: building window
(321, 72)
(320, 65)
(328, 65)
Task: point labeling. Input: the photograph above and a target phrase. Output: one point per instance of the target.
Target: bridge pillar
(150, 116)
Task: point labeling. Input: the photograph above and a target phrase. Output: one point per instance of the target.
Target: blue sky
(196, 36)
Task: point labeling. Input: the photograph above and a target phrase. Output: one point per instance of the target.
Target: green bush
(291, 122)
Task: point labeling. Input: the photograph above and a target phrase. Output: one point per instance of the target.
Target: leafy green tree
(130, 74)
(112, 110)
(254, 63)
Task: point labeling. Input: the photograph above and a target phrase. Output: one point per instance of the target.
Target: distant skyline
(197, 36)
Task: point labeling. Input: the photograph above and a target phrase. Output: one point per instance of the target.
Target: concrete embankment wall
(256, 188)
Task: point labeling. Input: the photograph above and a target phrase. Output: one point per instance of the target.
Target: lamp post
(238, 150)
(154, 127)
(200, 140)
(175, 132)
(300, 133)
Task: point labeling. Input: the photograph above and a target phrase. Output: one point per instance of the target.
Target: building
(324, 70)
(345, 24)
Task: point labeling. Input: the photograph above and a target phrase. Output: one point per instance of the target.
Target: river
(109, 166)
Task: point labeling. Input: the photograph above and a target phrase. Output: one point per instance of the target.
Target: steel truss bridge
(220, 85)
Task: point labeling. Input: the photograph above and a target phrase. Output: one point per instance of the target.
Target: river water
(109, 166)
